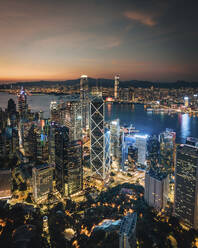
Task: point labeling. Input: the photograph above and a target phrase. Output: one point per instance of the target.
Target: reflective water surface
(146, 122)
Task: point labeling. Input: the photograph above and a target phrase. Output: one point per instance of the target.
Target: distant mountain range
(106, 83)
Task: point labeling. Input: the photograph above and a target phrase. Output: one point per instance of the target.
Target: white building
(156, 189)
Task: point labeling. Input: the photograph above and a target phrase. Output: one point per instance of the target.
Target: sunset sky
(62, 39)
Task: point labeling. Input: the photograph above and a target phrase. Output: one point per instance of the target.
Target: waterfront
(146, 122)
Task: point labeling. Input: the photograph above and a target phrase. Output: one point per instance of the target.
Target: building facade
(156, 188)
(42, 181)
(186, 185)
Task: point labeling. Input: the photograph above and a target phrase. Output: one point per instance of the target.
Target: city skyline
(61, 40)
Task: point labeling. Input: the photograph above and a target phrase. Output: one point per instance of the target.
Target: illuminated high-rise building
(84, 91)
(11, 109)
(51, 143)
(156, 188)
(115, 139)
(153, 149)
(98, 156)
(116, 86)
(141, 144)
(54, 112)
(83, 86)
(42, 180)
(186, 185)
(74, 176)
(71, 116)
(167, 149)
(22, 103)
(68, 160)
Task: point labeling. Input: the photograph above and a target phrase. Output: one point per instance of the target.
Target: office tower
(42, 151)
(115, 139)
(156, 188)
(167, 149)
(132, 154)
(186, 101)
(116, 85)
(51, 143)
(127, 140)
(29, 137)
(83, 86)
(74, 177)
(54, 112)
(153, 149)
(5, 184)
(42, 180)
(72, 118)
(3, 119)
(98, 165)
(9, 142)
(186, 185)
(22, 104)
(107, 151)
(127, 235)
(2, 149)
(192, 141)
(68, 159)
(12, 141)
(84, 91)
(11, 109)
(141, 144)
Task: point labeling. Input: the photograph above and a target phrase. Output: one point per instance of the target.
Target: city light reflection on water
(185, 125)
(149, 123)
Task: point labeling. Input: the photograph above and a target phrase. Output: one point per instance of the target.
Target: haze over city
(59, 40)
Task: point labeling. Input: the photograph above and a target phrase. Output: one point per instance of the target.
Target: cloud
(143, 18)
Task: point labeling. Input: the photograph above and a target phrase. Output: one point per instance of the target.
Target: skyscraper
(153, 149)
(84, 90)
(83, 86)
(11, 106)
(115, 139)
(22, 103)
(141, 144)
(167, 149)
(156, 188)
(54, 112)
(72, 118)
(98, 164)
(116, 85)
(74, 168)
(51, 142)
(186, 185)
(42, 179)
(68, 159)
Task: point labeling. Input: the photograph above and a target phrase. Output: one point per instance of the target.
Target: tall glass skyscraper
(141, 144)
(98, 157)
(68, 160)
(22, 103)
(186, 185)
(71, 117)
(167, 149)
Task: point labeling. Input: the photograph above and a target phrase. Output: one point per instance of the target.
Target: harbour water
(146, 122)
